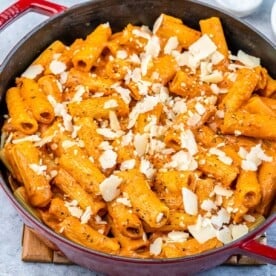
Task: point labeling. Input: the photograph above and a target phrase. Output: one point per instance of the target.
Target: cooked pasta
(148, 143)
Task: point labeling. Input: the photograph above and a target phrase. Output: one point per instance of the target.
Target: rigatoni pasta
(148, 143)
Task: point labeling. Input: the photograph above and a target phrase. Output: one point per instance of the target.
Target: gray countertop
(11, 223)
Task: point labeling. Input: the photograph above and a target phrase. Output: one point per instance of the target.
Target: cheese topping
(156, 246)
(154, 121)
(109, 188)
(33, 71)
(190, 202)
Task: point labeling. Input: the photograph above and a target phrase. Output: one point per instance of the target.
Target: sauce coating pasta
(148, 143)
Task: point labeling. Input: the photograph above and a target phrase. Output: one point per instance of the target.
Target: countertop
(11, 223)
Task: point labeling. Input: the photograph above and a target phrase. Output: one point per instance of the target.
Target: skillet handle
(259, 251)
(21, 6)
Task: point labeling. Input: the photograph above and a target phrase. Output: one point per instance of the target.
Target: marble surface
(11, 223)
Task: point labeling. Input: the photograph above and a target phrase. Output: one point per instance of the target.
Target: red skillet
(78, 21)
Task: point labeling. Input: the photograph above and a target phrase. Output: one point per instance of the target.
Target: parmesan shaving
(190, 201)
(33, 71)
(156, 247)
(109, 188)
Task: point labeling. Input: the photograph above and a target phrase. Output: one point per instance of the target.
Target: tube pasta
(50, 86)
(147, 143)
(95, 107)
(241, 90)
(27, 160)
(187, 85)
(270, 87)
(257, 105)
(248, 124)
(178, 221)
(47, 55)
(88, 134)
(91, 48)
(130, 247)
(171, 26)
(125, 221)
(267, 181)
(168, 186)
(36, 101)
(210, 164)
(87, 236)
(66, 183)
(213, 27)
(248, 189)
(192, 246)
(83, 170)
(164, 67)
(145, 202)
(93, 82)
(21, 119)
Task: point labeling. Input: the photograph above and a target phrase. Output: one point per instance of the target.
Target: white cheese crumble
(73, 208)
(85, 217)
(31, 138)
(143, 106)
(217, 57)
(249, 218)
(188, 141)
(253, 158)
(79, 91)
(190, 201)
(33, 71)
(109, 188)
(224, 235)
(159, 217)
(127, 165)
(221, 218)
(123, 92)
(215, 77)
(108, 159)
(38, 169)
(109, 133)
(60, 110)
(248, 60)
(99, 220)
(200, 108)
(171, 45)
(140, 143)
(110, 104)
(66, 144)
(208, 205)
(156, 246)
(238, 231)
(114, 121)
(57, 67)
(142, 33)
(237, 132)
(202, 232)
(147, 168)
(182, 161)
(124, 200)
(179, 107)
(177, 236)
(157, 24)
(221, 156)
(153, 47)
(193, 119)
(221, 191)
(121, 54)
(203, 48)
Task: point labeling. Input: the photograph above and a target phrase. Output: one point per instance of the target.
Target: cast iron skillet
(78, 22)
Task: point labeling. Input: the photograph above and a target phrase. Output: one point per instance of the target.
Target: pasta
(147, 143)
